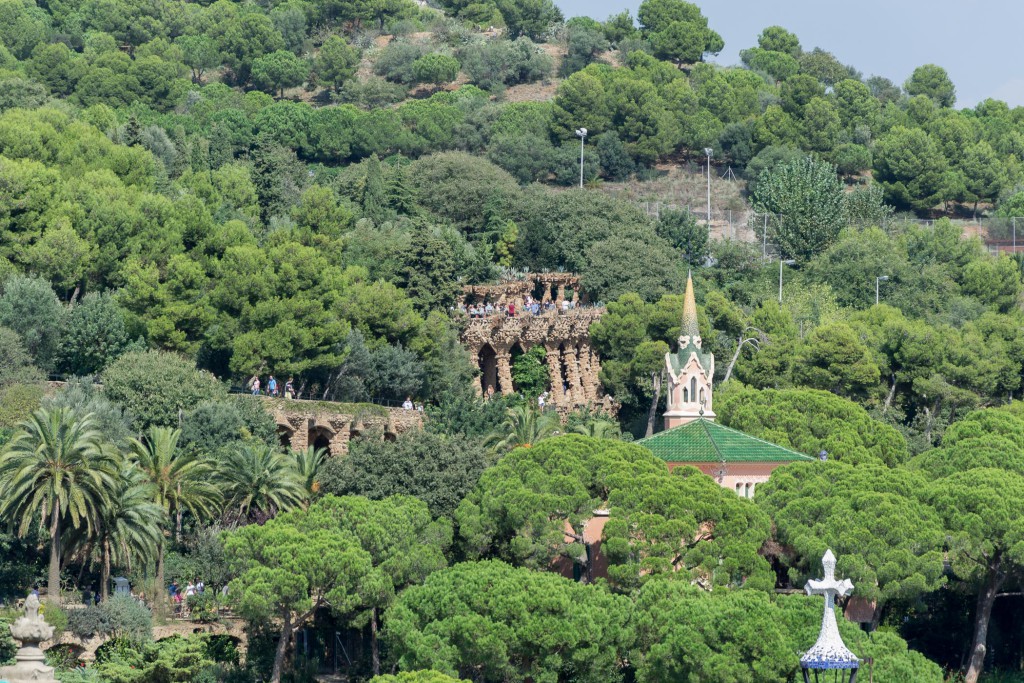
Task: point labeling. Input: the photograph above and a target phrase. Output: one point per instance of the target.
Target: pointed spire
(690, 327)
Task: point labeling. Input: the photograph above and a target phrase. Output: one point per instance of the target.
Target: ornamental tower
(691, 371)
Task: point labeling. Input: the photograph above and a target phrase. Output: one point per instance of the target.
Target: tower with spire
(691, 371)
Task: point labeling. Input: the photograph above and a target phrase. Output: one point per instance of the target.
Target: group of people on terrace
(528, 306)
(255, 386)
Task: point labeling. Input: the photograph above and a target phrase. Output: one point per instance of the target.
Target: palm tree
(56, 467)
(181, 481)
(131, 524)
(258, 482)
(307, 465)
(523, 426)
(599, 429)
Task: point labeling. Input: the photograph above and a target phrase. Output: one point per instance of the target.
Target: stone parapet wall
(554, 287)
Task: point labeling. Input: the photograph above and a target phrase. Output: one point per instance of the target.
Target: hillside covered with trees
(193, 194)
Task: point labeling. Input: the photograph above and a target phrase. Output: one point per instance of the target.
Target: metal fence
(1000, 235)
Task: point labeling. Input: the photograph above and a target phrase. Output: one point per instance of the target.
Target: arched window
(702, 395)
(739, 489)
(693, 388)
(749, 490)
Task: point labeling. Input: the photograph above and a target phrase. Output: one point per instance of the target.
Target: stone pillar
(504, 360)
(342, 435)
(588, 361)
(554, 362)
(546, 296)
(300, 437)
(475, 360)
(561, 294)
(572, 376)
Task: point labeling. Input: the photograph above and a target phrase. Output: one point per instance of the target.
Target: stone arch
(320, 437)
(487, 360)
(565, 385)
(285, 434)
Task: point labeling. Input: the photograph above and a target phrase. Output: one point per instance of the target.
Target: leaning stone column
(572, 376)
(588, 363)
(504, 359)
(554, 362)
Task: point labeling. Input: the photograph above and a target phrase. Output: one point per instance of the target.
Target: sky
(977, 42)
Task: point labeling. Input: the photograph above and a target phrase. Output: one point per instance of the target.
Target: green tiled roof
(706, 441)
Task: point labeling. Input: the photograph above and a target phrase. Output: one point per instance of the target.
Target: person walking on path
(256, 386)
(272, 386)
(289, 389)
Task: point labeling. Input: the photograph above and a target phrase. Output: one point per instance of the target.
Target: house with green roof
(736, 460)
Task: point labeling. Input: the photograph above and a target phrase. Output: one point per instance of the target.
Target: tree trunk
(732, 363)
(177, 527)
(105, 572)
(53, 579)
(982, 616)
(161, 590)
(889, 397)
(374, 647)
(653, 410)
(282, 648)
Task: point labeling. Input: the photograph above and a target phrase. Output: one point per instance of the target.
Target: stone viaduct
(494, 341)
(332, 425)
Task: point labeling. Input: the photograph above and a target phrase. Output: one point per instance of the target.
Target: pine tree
(374, 192)
(132, 131)
(430, 272)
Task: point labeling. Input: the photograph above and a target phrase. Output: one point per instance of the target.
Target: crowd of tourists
(527, 306)
(257, 388)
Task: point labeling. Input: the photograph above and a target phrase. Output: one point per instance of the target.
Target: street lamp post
(880, 278)
(581, 133)
(709, 152)
(787, 262)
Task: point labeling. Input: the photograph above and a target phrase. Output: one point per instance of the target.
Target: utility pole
(880, 278)
(582, 134)
(709, 151)
(786, 262)
(764, 240)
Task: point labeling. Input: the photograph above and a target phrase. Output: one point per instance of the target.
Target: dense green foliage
(196, 195)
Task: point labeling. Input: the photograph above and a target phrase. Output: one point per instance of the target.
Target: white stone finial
(829, 652)
(31, 630)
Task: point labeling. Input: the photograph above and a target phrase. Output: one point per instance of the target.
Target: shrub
(202, 607)
(17, 402)
(502, 62)
(397, 59)
(157, 385)
(57, 618)
(120, 617)
(435, 68)
(373, 93)
(7, 645)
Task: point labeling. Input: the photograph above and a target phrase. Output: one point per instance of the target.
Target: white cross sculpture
(829, 652)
